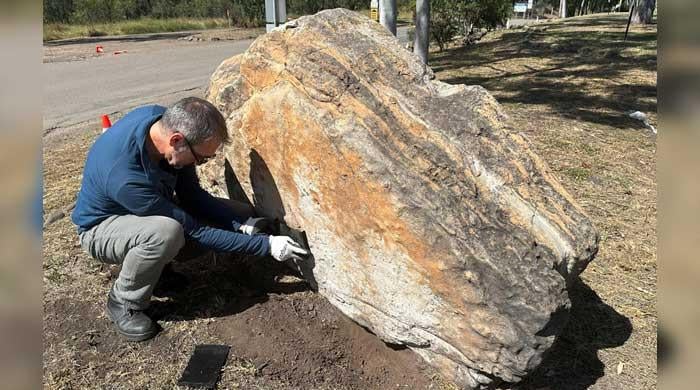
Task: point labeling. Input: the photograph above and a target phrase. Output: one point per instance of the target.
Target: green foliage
(444, 22)
(57, 11)
(449, 18)
(243, 13)
(493, 13)
(307, 7)
(92, 11)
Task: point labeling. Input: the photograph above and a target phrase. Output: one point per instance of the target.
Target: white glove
(283, 248)
(254, 225)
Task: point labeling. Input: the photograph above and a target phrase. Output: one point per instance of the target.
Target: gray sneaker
(134, 325)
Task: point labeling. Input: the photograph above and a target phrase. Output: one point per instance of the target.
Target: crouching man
(138, 180)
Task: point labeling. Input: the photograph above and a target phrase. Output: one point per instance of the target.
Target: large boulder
(431, 221)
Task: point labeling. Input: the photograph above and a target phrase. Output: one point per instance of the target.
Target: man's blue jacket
(120, 179)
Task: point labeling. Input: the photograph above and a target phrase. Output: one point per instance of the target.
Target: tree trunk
(387, 15)
(562, 8)
(422, 39)
(643, 11)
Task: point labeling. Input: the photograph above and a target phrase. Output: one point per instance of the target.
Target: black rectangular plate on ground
(204, 367)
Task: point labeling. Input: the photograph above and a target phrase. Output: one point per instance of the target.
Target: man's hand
(254, 225)
(284, 248)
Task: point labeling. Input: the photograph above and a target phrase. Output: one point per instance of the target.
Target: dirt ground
(567, 89)
(282, 336)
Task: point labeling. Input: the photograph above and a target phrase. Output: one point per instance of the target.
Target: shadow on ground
(221, 285)
(573, 363)
(573, 72)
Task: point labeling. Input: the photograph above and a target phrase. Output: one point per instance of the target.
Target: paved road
(82, 90)
(79, 91)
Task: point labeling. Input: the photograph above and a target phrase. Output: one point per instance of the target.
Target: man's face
(181, 153)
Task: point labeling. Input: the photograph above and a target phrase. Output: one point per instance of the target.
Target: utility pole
(387, 15)
(422, 39)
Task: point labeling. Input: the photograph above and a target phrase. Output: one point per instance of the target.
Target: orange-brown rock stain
(429, 261)
(360, 207)
(262, 65)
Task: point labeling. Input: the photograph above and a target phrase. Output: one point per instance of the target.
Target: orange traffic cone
(106, 124)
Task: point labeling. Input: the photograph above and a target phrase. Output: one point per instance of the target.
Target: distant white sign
(520, 7)
(529, 4)
(373, 4)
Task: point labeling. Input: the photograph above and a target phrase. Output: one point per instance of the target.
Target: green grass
(577, 173)
(138, 26)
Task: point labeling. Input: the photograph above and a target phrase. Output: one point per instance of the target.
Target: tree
(643, 11)
(543, 7)
(619, 6)
(444, 21)
(449, 18)
(57, 11)
(93, 11)
(491, 13)
(422, 38)
(562, 8)
(387, 15)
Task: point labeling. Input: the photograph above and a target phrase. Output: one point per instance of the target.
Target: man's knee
(170, 236)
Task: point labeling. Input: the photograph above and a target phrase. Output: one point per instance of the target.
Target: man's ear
(175, 139)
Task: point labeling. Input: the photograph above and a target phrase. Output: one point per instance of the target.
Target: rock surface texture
(431, 221)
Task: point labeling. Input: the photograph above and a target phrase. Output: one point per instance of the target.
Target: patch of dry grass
(54, 31)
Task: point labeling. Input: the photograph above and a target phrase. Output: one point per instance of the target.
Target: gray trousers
(142, 245)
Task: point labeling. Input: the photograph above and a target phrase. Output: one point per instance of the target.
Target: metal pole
(269, 15)
(275, 13)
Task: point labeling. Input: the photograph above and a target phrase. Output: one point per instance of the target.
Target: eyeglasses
(198, 159)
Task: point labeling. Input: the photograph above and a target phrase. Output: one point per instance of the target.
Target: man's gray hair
(197, 119)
